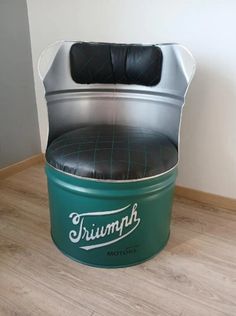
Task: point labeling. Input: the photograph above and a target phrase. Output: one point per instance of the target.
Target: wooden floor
(194, 275)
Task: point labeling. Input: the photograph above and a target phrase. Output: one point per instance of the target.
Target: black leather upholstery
(115, 63)
(112, 152)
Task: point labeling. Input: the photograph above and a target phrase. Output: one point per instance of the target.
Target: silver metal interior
(71, 105)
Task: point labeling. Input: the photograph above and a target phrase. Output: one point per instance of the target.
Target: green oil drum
(110, 224)
(114, 113)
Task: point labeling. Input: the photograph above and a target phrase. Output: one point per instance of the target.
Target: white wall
(18, 112)
(206, 27)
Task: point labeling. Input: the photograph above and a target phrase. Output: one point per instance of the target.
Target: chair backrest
(126, 84)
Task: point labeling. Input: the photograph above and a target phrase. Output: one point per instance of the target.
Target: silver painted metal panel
(71, 105)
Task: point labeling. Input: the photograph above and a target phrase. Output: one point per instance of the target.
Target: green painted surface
(110, 224)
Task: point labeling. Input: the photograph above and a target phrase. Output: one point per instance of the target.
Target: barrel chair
(114, 114)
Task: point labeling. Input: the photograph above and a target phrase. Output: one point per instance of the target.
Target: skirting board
(20, 166)
(205, 197)
(191, 194)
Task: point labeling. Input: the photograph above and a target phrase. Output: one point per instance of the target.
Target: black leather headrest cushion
(115, 63)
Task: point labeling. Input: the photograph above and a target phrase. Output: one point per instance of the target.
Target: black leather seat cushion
(112, 152)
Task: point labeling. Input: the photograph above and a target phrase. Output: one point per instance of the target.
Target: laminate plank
(23, 296)
(194, 275)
